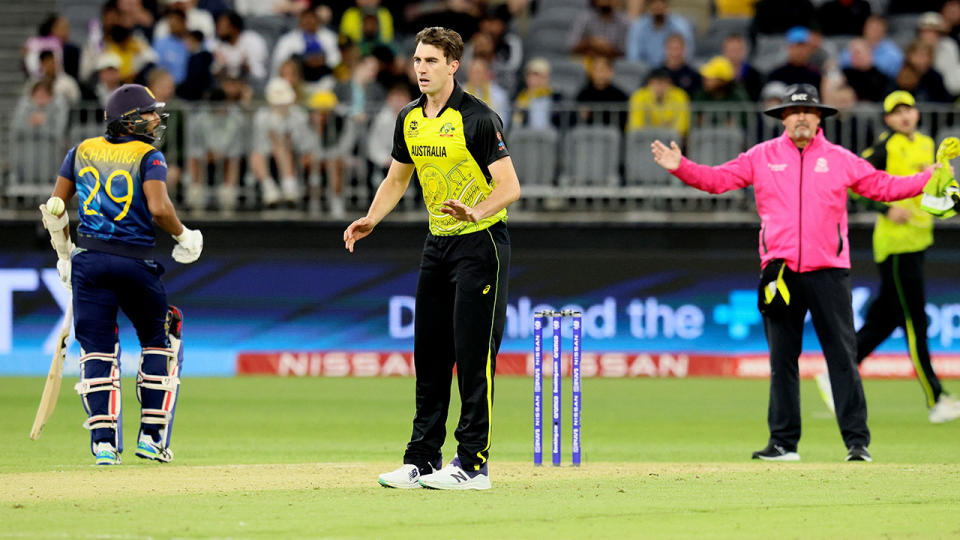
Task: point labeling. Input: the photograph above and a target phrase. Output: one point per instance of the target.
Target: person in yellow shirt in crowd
(660, 104)
(902, 234)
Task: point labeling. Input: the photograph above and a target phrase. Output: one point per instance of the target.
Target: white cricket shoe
(406, 477)
(826, 391)
(454, 477)
(946, 409)
(106, 454)
(147, 448)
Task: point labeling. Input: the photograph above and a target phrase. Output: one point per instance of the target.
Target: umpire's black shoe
(858, 453)
(776, 452)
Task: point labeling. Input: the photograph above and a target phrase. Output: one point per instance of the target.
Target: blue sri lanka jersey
(109, 174)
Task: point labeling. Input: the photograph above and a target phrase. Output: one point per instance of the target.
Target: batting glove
(189, 245)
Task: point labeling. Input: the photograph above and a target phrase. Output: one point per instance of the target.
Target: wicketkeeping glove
(189, 245)
(941, 195)
(949, 149)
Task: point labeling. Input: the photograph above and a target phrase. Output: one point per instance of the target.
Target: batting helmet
(125, 108)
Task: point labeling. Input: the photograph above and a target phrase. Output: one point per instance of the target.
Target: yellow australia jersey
(451, 154)
(899, 155)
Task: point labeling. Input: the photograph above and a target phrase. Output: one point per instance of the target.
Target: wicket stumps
(538, 323)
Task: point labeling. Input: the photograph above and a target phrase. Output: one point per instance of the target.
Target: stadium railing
(585, 161)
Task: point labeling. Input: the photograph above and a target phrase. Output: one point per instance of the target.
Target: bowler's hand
(457, 209)
(360, 228)
(668, 158)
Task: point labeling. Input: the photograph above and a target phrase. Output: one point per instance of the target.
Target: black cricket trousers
(461, 310)
(902, 303)
(826, 295)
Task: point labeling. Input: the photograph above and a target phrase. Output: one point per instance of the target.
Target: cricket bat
(51, 389)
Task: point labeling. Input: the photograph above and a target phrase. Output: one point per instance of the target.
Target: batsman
(120, 180)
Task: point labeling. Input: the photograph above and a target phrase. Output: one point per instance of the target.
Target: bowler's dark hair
(449, 41)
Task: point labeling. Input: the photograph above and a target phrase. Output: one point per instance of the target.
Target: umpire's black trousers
(826, 294)
(902, 302)
(461, 310)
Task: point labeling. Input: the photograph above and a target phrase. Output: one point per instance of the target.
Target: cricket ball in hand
(56, 206)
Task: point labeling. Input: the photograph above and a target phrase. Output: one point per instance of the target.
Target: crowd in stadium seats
(291, 97)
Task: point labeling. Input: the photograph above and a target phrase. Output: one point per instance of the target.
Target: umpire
(454, 142)
(800, 182)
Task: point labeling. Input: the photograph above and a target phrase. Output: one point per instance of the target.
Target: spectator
(918, 77)
(197, 20)
(279, 130)
(951, 17)
(480, 83)
(506, 48)
(310, 38)
(172, 51)
(238, 50)
(361, 92)
(778, 16)
(797, 70)
(36, 133)
(887, 55)
(380, 134)
(292, 72)
(138, 16)
(862, 76)
(199, 77)
(601, 93)
(163, 86)
(217, 138)
(600, 30)
(719, 84)
(354, 26)
(648, 34)
(660, 104)
(53, 35)
(535, 106)
(116, 37)
(843, 17)
(735, 50)
(932, 30)
(684, 76)
(336, 136)
(161, 83)
(108, 77)
(62, 85)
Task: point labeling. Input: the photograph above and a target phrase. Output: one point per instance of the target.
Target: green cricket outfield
(299, 458)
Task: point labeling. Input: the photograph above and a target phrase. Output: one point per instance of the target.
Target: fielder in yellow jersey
(902, 234)
(455, 144)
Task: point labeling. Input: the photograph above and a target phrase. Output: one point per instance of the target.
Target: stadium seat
(711, 44)
(567, 76)
(534, 154)
(641, 169)
(547, 42)
(628, 76)
(716, 145)
(592, 157)
(769, 52)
